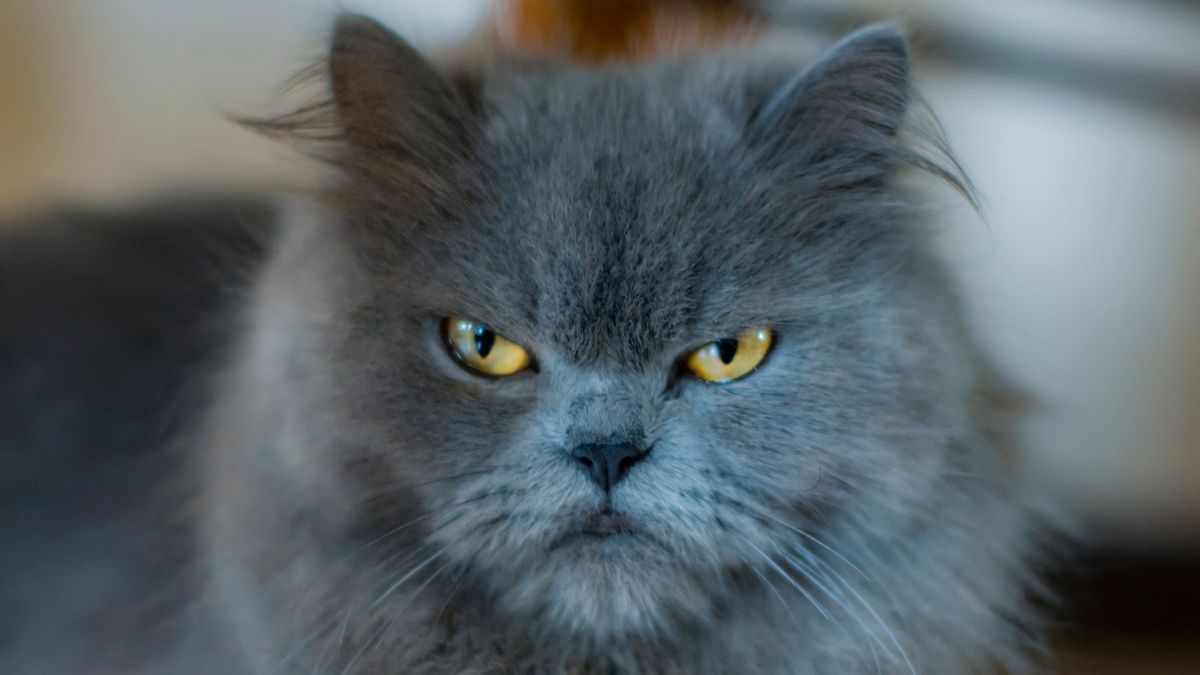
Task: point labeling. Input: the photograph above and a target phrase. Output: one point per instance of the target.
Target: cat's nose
(608, 463)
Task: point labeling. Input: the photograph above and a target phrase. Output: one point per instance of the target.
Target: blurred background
(1078, 119)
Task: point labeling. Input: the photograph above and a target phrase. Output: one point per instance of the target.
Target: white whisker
(391, 589)
(375, 637)
(814, 576)
(870, 609)
(790, 580)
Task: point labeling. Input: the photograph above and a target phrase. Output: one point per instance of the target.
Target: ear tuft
(389, 98)
(858, 89)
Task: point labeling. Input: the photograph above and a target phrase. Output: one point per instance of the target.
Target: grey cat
(625, 369)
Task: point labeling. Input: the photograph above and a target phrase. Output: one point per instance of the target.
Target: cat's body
(111, 323)
(354, 500)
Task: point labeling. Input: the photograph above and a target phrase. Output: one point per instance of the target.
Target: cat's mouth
(604, 525)
(607, 522)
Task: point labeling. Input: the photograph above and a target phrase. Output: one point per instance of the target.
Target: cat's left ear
(852, 100)
(390, 100)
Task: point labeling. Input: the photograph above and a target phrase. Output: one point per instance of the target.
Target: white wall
(1086, 282)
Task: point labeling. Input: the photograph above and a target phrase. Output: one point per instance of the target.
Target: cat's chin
(597, 585)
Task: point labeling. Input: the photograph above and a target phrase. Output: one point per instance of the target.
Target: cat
(630, 368)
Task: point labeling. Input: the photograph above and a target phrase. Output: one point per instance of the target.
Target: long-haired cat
(624, 368)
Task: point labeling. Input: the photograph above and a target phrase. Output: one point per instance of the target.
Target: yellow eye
(483, 350)
(728, 360)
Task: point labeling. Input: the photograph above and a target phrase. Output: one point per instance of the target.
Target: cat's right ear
(850, 104)
(391, 101)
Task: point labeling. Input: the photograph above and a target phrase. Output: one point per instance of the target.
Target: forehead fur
(621, 191)
(624, 210)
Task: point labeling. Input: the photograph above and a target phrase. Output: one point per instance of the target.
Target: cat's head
(622, 335)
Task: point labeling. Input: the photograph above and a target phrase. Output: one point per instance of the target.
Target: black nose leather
(608, 463)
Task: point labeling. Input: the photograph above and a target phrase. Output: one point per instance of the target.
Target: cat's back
(109, 323)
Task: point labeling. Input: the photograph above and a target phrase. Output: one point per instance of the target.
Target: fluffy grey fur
(367, 505)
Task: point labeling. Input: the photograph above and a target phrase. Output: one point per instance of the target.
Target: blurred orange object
(603, 30)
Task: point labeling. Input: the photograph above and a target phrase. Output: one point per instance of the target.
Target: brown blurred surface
(28, 111)
(597, 30)
(1126, 656)
(1129, 612)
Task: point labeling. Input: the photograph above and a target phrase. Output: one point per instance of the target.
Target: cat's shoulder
(108, 320)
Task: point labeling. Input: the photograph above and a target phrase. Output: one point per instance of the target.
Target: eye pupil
(484, 340)
(726, 350)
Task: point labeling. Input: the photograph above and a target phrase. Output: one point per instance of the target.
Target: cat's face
(608, 225)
